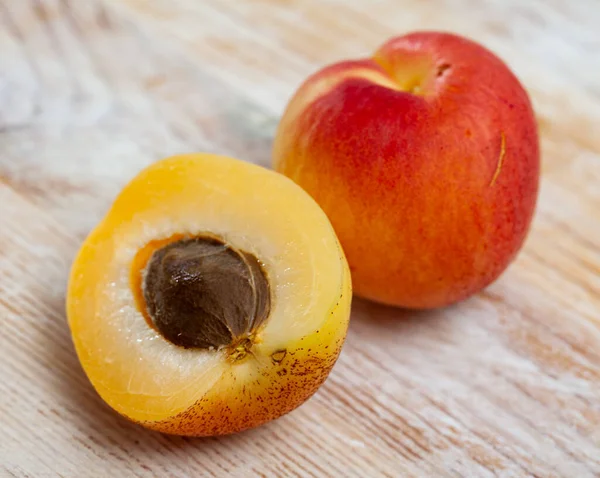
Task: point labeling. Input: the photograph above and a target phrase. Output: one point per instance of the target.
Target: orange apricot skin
(287, 379)
(426, 160)
(230, 407)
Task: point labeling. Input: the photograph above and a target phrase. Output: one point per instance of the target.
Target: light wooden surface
(505, 384)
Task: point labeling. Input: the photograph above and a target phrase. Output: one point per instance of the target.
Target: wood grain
(505, 384)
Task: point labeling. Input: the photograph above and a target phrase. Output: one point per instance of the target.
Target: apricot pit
(201, 293)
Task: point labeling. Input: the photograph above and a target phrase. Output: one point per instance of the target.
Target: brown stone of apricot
(201, 293)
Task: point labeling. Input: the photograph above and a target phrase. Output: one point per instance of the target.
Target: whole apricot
(212, 298)
(426, 159)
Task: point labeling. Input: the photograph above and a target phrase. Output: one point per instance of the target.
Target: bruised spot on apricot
(278, 356)
(202, 293)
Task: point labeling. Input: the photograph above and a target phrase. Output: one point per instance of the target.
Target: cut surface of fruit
(243, 250)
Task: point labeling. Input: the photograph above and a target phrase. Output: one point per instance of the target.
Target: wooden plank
(505, 384)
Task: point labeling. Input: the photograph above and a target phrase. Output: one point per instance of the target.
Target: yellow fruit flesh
(150, 380)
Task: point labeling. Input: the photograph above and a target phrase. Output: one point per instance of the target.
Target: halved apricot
(212, 298)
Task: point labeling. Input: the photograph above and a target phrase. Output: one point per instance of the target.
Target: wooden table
(505, 384)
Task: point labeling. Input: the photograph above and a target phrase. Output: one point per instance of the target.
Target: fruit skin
(425, 157)
(232, 406)
(146, 378)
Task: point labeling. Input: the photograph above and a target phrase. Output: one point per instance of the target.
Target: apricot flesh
(211, 385)
(425, 157)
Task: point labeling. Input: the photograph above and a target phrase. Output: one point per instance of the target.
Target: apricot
(213, 297)
(425, 157)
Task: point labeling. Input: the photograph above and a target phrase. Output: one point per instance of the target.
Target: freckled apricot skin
(425, 157)
(232, 405)
(192, 392)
